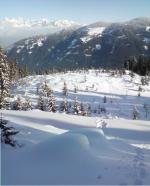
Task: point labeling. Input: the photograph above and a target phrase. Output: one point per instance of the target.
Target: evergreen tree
(76, 107)
(41, 104)
(135, 113)
(18, 105)
(75, 90)
(4, 79)
(51, 104)
(27, 104)
(46, 90)
(65, 89)
(64, 105)
(105, 99)
(7, 133)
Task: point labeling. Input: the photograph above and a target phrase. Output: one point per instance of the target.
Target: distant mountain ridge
(12, 30)
(96, 45)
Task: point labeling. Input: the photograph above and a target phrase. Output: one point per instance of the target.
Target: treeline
(9, 72)
(139, 65)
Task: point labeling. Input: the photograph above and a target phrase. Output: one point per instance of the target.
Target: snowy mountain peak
(12, 30)
(22, 23)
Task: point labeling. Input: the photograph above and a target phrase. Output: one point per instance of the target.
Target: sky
(82, 11)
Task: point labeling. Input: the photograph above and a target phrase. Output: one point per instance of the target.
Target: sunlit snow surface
(64, 149)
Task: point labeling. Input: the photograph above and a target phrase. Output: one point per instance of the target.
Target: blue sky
(83, 11)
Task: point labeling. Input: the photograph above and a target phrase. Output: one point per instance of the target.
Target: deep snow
(92, 86)
(65, 149)
(59, 148)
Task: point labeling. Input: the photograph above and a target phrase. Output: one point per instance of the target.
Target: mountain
(97, 45)
(13, 30)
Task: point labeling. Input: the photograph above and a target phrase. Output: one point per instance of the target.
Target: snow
(145, 47)
(92, 32)
(148, 28)
(98, 46)
(64, 149)
(13, 30)
(73, 151)
(121, 92)
(146, 40)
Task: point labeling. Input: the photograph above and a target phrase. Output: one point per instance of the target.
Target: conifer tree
(76, 107)
(105, 99)
(65, 89)
(4, 79)
(64, 105)
(7, 132)
(18, 105)
(51, 104)
(40, 104)
(135, 113)
(46, 90)
(27, 104)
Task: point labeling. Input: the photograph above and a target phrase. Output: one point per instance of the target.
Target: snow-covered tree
(41, 104)
(135, 113)
(18, 104)
(27, 105)
(140, 89)
(46, 90)
(65, 89)
(51, 104)
(75, 89)
(76, 107)
(4, 79)
(105, 99)
(64, 105)
(7, 132)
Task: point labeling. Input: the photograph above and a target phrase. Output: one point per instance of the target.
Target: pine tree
(64, 106)
(4, 79)
(75, 90)
(46, 90)
(135, 113)
(76, 107)
(51, 104)
(27, 105)
(105, 99)
(7, 133)
(65, 89)
(41, 104)
(18, 105)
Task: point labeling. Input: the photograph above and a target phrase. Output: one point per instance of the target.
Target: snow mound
(71, 144)
(81, 156)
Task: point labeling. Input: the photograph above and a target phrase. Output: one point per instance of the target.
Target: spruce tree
(64, 106)
(65, 89)
(27, 105)
(51, 104)
(18, 105)
(41, 104)
(7, 133)
(76, 107)
(46, 90)
(4, 79)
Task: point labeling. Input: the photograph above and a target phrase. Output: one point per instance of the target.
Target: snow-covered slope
(121, 91)
(96, 45)
(65, 149)
(60, 149)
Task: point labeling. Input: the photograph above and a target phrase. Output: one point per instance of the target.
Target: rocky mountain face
(96, 45)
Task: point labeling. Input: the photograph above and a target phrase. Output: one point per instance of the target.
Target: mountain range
(13, 30)
(99, 44)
